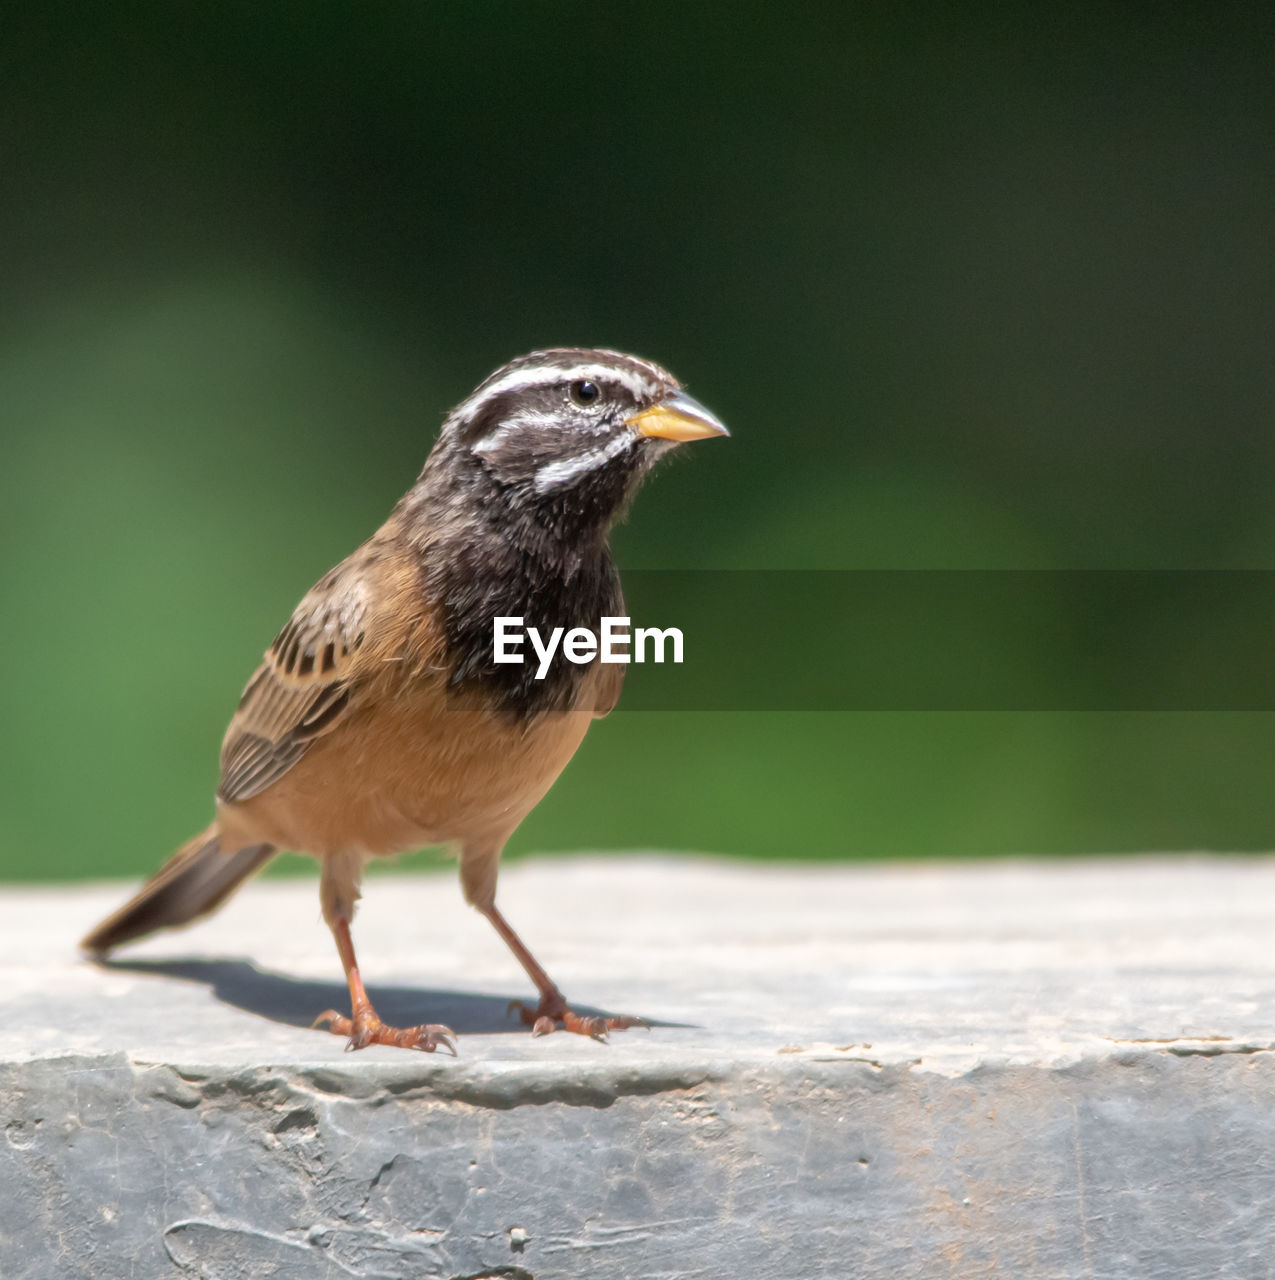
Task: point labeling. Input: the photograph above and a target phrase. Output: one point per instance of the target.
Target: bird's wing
(304, 686)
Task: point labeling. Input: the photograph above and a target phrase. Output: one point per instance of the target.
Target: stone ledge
(1023, 1069)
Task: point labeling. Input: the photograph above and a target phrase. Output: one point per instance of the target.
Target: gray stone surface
(1006, 1069)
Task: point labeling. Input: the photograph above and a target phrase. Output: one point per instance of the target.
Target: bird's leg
(365, 1027)
(553, 1008)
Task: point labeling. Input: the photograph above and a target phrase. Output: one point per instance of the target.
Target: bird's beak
(680, 417)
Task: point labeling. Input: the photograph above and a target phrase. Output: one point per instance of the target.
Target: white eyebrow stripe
(534, 418)
(542, 375)
(553, 474)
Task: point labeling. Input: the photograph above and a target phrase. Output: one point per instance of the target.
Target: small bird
(379, 721)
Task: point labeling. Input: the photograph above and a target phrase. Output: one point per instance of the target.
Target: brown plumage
(378, 721)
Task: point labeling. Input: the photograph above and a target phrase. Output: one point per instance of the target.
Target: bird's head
(562, 438)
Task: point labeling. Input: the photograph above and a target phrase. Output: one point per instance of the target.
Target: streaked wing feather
(301, 689)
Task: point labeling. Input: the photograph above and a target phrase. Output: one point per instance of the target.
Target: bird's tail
(194, 882)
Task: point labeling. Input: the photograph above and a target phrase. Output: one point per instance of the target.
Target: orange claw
(545, 1018)
(367, 1028)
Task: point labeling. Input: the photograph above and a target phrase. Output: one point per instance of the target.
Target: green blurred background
(975, 287)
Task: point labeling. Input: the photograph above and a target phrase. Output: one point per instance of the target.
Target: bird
(378, 721)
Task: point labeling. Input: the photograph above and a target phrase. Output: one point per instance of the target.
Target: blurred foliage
(974, 286)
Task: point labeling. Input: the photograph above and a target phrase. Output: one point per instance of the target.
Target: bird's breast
(412, 770)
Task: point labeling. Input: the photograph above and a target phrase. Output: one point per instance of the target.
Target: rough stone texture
(1010, 1069)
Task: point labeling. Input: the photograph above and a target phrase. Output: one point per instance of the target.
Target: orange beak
(680, 417)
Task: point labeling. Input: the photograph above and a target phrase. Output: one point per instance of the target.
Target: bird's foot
(366, 1028)
(553, 1012)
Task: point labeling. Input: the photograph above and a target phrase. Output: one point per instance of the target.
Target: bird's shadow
(296, 1002)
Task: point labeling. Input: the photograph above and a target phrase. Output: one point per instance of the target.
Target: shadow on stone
(297, 1002)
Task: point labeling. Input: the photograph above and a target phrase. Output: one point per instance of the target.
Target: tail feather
(194, 882)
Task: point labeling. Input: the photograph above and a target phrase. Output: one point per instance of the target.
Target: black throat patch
(478, 578)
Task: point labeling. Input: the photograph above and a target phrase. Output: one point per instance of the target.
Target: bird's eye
(584, 394)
